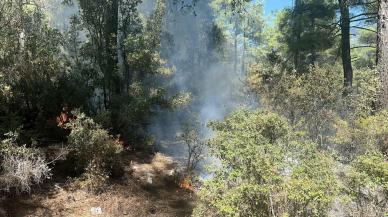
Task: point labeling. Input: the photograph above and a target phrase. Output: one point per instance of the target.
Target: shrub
(374, 130)
(363, 135)
(89, 143)
(21, 167)
(95, 178)
(366, 93)
(311, 99)
(314, 101)
(264, 172)
(312, 186)
(366, 184)
(193, 140)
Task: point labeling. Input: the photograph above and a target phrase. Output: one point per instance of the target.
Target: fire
(186, 184)
(65, 117)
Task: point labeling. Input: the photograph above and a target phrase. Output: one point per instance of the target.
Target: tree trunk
(382, 64)
(243, 55)
(235, 53)
(121, 66)
(345, 43)
(297, 34)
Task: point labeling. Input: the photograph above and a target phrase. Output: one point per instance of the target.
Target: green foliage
(264, 173)
(243, 25)
(149, 76)
(143, 46)
(312, 187)
(110, 63)
(95, 178)
(364, 56)
(375, 130)
(351, 127)
(122, 61)
(366, 184)
(89, 143)
(366, 134)
(41, 68)
(33, 80)
(314, 101)
(248, 21)
(250, 148)
(373, 167)
(310, 100)
(307, 31)
(345, 124)
(366, 93)
(129, 100)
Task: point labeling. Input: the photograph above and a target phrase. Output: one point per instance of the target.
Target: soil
(148, 188)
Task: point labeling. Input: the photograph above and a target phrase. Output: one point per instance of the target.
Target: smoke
(196, 48)
(58, 13)
(201, 55)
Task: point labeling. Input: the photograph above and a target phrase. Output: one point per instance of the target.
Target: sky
(274, 5)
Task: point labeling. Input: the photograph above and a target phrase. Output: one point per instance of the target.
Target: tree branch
(359, 27)
(365, 18)
(365, 3)
(337, 35)
(363, 46)
(364, 14)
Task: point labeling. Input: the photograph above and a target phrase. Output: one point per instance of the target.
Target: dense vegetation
(304, 131)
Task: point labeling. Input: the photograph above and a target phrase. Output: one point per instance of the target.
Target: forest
(203, 108)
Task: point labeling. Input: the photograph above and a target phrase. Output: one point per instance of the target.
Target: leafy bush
(89, 143)
(21, 167)
(94, 178)
(314, 101)
(311, 99)
(366, 93)
(363, 135)
(312, 186)
(263, 172)
(374, 130)
(366, 183)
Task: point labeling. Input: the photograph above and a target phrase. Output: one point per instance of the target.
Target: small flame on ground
(186, 184)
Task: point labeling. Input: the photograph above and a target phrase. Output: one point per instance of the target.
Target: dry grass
(159, 170)
(132, 196)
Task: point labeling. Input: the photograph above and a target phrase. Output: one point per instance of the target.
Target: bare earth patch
(147, 189)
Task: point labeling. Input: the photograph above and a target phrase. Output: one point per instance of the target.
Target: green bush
(314, 101)
(312, 186)
(89, 143)
(264, 171)
(366, 185)
(363, 135)
(311, 99)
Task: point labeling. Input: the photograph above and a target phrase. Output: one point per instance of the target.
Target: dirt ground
(147, 189)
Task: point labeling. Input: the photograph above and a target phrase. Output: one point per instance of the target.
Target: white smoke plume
(190, 45)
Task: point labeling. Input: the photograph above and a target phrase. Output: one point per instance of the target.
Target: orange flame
(186, 184)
